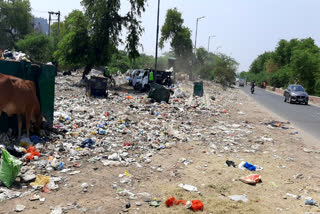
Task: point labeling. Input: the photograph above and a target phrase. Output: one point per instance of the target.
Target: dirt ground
(286, 156)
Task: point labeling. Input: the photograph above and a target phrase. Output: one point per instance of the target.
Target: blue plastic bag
(250, 166)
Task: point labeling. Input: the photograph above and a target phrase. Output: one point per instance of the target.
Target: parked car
(296, 94)
(134, 76)
(142, 83)
(241, 82)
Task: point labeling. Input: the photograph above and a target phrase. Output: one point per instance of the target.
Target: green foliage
(73, 48)
(281, 78)
(243, 75)
(225, 70)
(305, 65)
(143, 61)
(105, 26)
(295, 61)
(178, 35)
(38, 46)
(258, 64)
(119, 62)
(15, 21)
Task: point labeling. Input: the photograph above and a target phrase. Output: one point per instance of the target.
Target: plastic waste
(188, 187)
(310, 202)
(10, 168)
(36, 139)
(89, 143)
(15, 151)
(250, 166)
(52, 161)
(242, 198)
(41, 180)
(195, 205)
(154, 203)
(245, 165)
(32, 152)
(230, 163)
(251, 179)
(25, 142)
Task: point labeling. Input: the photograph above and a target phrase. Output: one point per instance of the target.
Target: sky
(243, 29)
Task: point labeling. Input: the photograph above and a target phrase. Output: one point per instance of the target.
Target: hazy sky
(243, 28)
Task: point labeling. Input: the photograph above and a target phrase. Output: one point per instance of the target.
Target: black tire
(290, 100)
(285, 99)
(306, 103)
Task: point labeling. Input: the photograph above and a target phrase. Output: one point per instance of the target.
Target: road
(305, 117)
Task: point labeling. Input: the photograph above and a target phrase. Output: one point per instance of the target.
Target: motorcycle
(252, 90)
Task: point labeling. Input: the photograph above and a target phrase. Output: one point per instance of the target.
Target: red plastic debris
(196, 205)
(106, 114)
(251, 179)
(33, 152)
(170, 201)
(45, 189)
(224, 112)
(173, 201)
(128, 144)
(129, 98)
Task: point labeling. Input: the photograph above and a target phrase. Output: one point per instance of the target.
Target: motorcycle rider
(253, 84)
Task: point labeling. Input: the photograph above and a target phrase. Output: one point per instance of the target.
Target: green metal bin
(198, 89)
(44, 79)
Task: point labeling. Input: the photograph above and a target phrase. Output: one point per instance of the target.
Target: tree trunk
(86, 71)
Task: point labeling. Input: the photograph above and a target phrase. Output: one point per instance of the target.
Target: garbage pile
(125, 130)
(14, 56)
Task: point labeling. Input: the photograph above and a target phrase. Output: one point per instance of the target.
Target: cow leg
(28, 121)
(19, 125)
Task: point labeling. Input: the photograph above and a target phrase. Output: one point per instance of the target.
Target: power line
(39, 11)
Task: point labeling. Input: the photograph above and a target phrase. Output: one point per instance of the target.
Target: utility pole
(209, 41)
(58, 23)
(157, 38)
(195, 47)
(195, 40)
(49, 23)
(57, 14)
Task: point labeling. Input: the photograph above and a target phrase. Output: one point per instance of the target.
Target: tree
(179, 37)
(73, 48)
(305, 66)
(15, 21)
(38, 46)
(202, 56)
(105, 25)
(258, 65)
(225, 70)
(243, 74)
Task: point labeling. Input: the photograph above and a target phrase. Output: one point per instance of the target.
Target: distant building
(41, 25)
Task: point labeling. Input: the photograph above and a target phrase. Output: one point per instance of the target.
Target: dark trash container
(97, 87)
(198, 89)
(159, 93)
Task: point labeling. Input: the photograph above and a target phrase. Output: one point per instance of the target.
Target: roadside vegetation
(292, 62)
(90, 38)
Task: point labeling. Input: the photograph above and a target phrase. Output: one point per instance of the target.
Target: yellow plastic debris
(41, 180)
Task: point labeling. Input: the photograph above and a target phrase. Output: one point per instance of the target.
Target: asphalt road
(305, 117)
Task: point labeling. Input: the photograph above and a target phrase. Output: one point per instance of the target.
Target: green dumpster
(159, 93)
(198, 89)
(44, 78)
